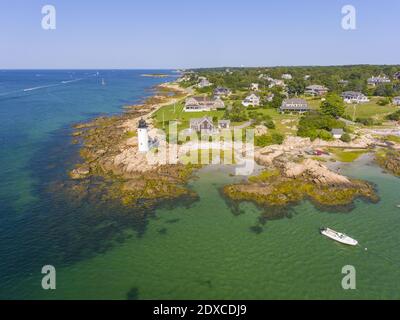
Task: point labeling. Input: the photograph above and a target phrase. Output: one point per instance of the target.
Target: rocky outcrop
(312, 169)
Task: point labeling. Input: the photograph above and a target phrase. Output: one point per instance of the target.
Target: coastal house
(354, 97)
(222, 92)
(294, 105)
(224, 124)
(396, 76)
(251, 100)
(276, 82)
(270, 97)
(203, 103)
(316, 90)
(373, 81)
(203, 83)
(204, 125)
(287, 76)
(337, 133)
(306, 77)
(396, 101)
(343, 82)
(254, 87)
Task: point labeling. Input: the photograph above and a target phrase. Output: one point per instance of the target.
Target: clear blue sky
(197, 33)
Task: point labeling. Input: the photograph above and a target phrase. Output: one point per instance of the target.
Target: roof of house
(337, 131)
(224, 121)
(221, 89)
(203, 99)
(352, 94)
(197, 121)
(396, 98)
(294, 104)
(252, 96)
(316, 87)
(295, 101)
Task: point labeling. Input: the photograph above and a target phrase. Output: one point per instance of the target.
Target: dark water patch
(64, 228)
(207, 283)
(133, 294)
(173, 220)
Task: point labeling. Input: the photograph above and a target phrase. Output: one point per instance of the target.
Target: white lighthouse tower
(143, 136)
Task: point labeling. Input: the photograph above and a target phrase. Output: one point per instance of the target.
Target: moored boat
(339, 237)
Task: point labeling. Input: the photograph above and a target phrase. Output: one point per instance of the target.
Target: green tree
(333, 105)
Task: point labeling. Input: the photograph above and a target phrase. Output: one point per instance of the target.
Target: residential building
(344, 82)
(204, 125)
(276, 82)
(287, 76)
(396, 101)
(294, 105)
(251, 100)
(222, 92)
(337, 133)
(354, 97)
(203, 103)
(396, 76)
(254, 87)
(306, 77)
(270, 97)
(203, 83)
(316, 90)
(373, 81)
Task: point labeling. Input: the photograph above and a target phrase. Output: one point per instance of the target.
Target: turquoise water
(201, 250)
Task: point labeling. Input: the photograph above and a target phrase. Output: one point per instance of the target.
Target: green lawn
(284, 122)
(175, 112)
(369, 110)
(346, 156)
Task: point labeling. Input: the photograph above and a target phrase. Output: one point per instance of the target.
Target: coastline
(103, 143)
(109, 151)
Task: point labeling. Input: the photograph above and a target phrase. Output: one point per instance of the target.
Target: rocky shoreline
(109, 152)
(291, 176)
(105, 140)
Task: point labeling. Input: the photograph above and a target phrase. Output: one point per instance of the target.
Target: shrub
(269, 139)
(394, 116)
(345, 137)
(383, 102)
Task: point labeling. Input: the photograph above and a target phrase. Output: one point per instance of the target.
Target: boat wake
(46, 86)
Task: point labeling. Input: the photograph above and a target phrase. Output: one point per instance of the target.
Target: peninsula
(302, 124)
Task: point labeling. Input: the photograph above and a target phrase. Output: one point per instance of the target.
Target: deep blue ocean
(37, 110)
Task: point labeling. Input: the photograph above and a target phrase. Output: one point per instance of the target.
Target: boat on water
(339, 237)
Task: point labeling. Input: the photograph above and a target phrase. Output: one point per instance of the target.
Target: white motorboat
(339, 237)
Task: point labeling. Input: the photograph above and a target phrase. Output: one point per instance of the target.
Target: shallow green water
(206, 252)
(202, 251)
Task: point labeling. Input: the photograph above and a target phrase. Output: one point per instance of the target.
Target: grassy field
(369, 110)
(346, 156)
(284, 123)
(175, 112)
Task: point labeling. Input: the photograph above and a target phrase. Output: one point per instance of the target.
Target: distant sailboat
(103, 83)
